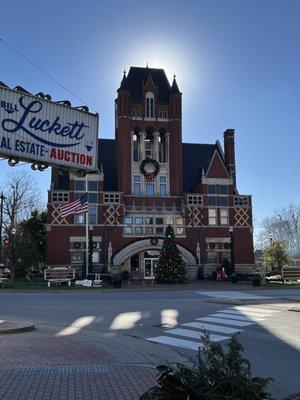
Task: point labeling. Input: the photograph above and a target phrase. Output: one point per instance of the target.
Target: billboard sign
(34, 129)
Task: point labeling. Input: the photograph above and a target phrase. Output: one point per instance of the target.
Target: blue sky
(237, 63)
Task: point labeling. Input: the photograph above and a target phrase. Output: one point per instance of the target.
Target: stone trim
(141, 245)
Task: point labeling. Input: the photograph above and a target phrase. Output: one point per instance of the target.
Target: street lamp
(233, 277)
(12, 258)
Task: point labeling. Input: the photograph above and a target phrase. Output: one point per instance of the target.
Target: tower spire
(124, 82)
(174, 87)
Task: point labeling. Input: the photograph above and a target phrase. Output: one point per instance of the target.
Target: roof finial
(147, 65)
(124, 72)
(174, 76)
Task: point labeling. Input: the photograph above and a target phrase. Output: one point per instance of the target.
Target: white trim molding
(143, 245)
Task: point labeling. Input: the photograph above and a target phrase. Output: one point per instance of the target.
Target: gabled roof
(195, 157)
(137, 78)
(217, 167)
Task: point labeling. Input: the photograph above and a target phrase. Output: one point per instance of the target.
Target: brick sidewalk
(38, 366)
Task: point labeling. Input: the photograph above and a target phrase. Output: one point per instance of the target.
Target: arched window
(135, 147)
(149, 105)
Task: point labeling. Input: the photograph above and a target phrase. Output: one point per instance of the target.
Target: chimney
(230, 153)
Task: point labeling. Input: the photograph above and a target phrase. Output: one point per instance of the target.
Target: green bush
(215, 376)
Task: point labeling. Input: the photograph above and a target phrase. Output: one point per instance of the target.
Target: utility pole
(2, 198)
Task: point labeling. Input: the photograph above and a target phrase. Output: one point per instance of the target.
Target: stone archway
(141, 245)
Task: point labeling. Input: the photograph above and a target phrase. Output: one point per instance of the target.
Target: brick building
(148, 178)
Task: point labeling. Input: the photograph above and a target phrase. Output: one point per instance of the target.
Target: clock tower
(148, 134)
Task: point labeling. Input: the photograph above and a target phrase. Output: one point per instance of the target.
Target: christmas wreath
(149, 168)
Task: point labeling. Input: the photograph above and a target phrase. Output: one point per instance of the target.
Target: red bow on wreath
(149, 176)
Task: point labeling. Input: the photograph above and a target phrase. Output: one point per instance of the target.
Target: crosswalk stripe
(256, 309)
(245, 313)
(212, 328)
(195, 334)
(228, 294)
(236, 317)
(224, 321)
(186, 344)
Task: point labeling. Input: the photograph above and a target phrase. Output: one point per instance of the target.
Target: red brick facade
(194, 189)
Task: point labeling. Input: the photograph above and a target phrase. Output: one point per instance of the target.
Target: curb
(15, 327)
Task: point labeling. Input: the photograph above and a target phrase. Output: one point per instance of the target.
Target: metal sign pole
(86, 232)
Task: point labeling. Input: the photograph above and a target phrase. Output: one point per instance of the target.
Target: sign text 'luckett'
(34, 129)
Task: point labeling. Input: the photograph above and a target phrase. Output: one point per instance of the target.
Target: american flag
(75, 207)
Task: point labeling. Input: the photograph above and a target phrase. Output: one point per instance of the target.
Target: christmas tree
(170, 268)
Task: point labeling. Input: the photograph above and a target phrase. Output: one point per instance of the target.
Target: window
(137, 189)
(110, 198)
(223, 189)
(161, 114)
(92, 198)
(226, 256)
(223, 216)
(92, 215)
(241, 201)
(212, 216)
(170, 221)
(212, 201)
(133, 113)
(149, 220)
(149, 105)
(77, 257)
(79, 185)
(150, 189)
(137, 185)
(166, 114)
(212, 257)
(163, 189)
(79, 219)
(138, 112)
(179, 231)
(128, 220)
(223, 201)
(93, 186)
(138, 220)
(150, 225)
(148, 230)
(195, 199)
(95, 257)
(136, 147)
(211, 189)
(60, 197)
(148, 146)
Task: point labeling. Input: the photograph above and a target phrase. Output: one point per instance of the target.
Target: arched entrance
(140, 257)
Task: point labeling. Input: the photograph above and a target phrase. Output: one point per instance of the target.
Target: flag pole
(86, 232)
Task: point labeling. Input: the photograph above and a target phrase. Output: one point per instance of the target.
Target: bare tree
(22, 196)
(283, 225)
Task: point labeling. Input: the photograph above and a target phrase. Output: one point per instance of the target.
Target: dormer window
(149, 105)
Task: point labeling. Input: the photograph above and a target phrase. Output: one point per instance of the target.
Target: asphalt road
(269, 330)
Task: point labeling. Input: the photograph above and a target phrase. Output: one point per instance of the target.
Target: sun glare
(172, 58)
